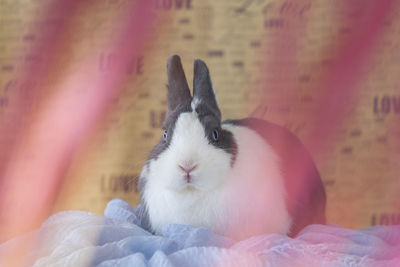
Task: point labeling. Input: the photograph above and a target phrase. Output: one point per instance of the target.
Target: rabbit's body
(230, 177)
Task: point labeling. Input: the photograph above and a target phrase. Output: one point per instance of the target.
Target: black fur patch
(177, 89)
(169, 125)
(203, 89)
(210, 121)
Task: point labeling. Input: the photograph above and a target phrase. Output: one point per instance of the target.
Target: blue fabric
(76, 238)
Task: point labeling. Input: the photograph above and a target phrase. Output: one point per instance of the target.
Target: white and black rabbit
(239, 178)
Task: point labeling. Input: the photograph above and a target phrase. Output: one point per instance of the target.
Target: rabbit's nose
(187, 168)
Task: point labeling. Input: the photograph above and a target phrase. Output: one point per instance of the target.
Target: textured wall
(326, 69)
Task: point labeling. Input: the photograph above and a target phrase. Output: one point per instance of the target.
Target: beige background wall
(267, 59)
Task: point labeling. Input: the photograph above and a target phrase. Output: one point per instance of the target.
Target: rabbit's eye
(165, 135)
(215, 135)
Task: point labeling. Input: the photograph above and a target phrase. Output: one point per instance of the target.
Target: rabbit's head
(194, 152)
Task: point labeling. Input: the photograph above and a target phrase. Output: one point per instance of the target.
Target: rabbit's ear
(203, 90)
(178, 90)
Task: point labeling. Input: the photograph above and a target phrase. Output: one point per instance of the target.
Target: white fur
(246, 200)
(195, 102)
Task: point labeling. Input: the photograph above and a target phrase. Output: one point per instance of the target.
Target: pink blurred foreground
(28, 187)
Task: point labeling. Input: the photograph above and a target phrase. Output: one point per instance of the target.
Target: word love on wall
(387, 104)
(385, 219)
(173, 4)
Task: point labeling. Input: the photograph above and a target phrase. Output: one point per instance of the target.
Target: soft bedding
(76, 238)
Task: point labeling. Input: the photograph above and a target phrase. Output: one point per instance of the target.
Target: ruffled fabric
(76, 238)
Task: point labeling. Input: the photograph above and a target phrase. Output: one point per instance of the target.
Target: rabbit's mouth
(190, 182)
(188, 178)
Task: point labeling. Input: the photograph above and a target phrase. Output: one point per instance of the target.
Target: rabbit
(238, 178)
